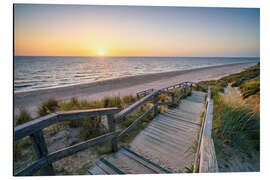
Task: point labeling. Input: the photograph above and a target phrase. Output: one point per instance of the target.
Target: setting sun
(101, 53)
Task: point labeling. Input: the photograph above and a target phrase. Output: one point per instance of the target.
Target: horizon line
(140, 56)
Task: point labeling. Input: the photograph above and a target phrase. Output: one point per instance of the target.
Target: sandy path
(122, 86)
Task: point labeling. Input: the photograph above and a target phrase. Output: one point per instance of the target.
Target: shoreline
(129, 76)
(122, 86)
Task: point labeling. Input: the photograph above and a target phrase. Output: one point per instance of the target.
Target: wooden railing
(205, 158)
(179, 85)
(33, 129)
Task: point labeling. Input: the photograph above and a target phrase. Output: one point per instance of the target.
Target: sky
(87, 30)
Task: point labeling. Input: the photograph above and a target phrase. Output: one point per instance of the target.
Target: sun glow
(100, 53)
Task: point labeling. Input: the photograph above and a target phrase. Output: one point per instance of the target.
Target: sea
(39, 72)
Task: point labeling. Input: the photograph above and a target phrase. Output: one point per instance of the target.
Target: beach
(121, 86)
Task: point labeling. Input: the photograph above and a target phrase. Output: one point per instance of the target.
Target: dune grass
(23, 117)
(239, 78)
(248, 82)
(235, 125)
(48, 107)
(250, 87)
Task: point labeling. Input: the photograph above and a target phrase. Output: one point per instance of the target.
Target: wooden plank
(78, 114)
(208, 119)
(144, 93)
(180, 97)
(132, 107)
(111, 125)
(208, 160)
(129, 128)
(40, 149)
(33, 168)
(155, 105)
(32, 126)
(79, 147)
(196, 163)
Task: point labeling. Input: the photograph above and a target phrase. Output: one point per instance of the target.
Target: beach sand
(121, 86)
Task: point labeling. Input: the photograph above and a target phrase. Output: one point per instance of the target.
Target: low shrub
(91, 127)
(112, 102)
(23, 117)
(129, 99)
(19, 146)
(48, 107)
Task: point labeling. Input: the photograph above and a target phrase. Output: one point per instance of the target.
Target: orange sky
(52, 30)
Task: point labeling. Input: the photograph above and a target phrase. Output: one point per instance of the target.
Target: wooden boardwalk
(167, 144)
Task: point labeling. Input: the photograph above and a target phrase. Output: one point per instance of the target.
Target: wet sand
(122, 86)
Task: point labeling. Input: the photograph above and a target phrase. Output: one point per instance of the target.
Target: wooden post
(111, 125)
(185, 93)
(40, 149)
(173, 98)
(155, 105)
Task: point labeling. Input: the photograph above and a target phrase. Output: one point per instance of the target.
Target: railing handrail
(30, 127)
(178, 85)
(132, 107)
(196, 163)
(205, 158)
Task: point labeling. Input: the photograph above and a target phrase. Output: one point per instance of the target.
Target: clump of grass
(91, 127)
(162, 109)
(23, 117)
(218, 87)
(250, 87)
(236, 125)
(129, 99)
(104, 148)
(48, 107)
(75, 104)
(189, 169)
(17, 151)
(19, 146)
(112, 102)
(164, 98)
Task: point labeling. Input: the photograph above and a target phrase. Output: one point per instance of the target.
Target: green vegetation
(248, 82)
(189, 169)
(48, 107)
(19, 146)
(22, 118)
(103, 148)
(235, 124)
(250, 87)
(240, 78)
